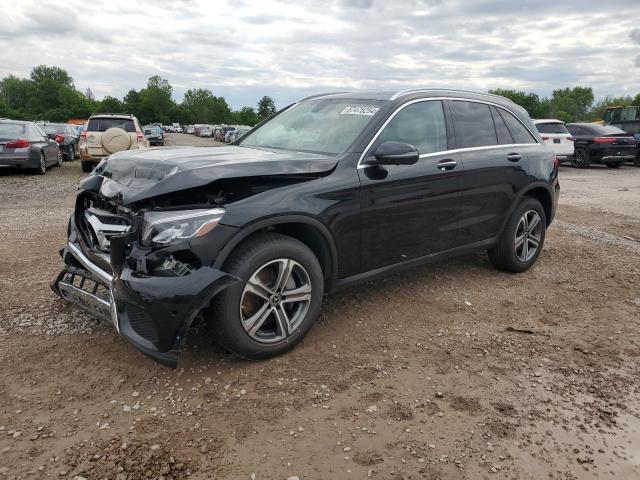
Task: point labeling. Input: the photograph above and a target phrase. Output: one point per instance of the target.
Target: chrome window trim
(455, 150)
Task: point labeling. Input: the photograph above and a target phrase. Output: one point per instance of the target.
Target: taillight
(556, 162)
(545, 138)
(140, 136)
(59, 138)
(571, 139)
(605, 139)
(20, 143)
(83, 135)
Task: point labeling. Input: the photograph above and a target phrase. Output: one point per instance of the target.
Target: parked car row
(154, 135)
(221, 133)
(583, 144)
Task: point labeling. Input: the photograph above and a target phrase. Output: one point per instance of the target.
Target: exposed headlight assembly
(163, 228)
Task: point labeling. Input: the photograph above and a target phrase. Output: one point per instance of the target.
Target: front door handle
(447, 164)
(514, 157)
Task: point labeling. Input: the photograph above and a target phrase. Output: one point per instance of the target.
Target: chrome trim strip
(456, 150)
(86, 263)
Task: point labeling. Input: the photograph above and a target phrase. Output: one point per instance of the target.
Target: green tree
(247, 116)
(110, 105)
(536, 107)
(16, 93)
(44, 73)
(201, 106)
(571, 104)
(266, 107)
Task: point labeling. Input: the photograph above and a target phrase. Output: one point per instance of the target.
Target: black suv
(332, 190)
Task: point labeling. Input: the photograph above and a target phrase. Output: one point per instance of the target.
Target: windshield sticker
(359, 110)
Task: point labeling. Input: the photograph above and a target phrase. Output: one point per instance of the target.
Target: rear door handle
(447, 164)
(514, 157)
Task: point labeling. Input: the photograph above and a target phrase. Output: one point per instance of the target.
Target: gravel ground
(449, 371)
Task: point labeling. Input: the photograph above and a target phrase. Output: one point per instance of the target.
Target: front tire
(522, 239)
(276, 302)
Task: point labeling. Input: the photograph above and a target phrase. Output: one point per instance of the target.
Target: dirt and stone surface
(448, 371)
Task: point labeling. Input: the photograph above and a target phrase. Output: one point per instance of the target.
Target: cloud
(244, 49)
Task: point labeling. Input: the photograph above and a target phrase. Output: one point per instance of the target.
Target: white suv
(108, 133)
(554, 133)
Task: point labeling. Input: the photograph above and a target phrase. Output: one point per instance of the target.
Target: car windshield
(11, 131)
(316, 126)
(54, 129)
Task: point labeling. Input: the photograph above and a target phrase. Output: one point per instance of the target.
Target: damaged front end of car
(144, 237)
(151, 295)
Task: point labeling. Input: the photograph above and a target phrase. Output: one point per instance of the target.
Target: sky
(287, 49)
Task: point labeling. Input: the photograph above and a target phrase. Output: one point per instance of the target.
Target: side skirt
(342, 283)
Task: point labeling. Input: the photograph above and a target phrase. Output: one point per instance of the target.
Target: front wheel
(276, 302)
(522, 238)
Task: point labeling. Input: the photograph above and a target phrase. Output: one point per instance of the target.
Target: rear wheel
(522, 238)
(276, 302)
(59, 158)
(581, 158)
(86, 166)
(72, 152)
(41, 169)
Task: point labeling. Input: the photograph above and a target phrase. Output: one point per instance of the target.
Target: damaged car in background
(333, 190)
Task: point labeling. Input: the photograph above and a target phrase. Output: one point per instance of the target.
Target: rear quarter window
(518, 131)
(104, 124)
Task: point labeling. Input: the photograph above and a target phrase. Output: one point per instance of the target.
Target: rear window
(11, 131)
(631, 128)
(104, 124)
(555, 127)
(55, 128)
(473, 124)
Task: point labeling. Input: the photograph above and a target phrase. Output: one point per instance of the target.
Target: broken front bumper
(153, 313)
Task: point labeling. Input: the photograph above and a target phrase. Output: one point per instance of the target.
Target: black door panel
(409, 211)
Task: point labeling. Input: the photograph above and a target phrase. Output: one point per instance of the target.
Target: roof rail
(417, 90)
(112, 113)
(320, 95)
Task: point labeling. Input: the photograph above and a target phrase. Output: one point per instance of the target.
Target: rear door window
(518, 131)
(473, 124)
(420, 124)
(104, 124)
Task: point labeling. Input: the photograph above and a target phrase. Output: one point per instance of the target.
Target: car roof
(409, 94)
(547, 120)
(112, 115)
(19, 122)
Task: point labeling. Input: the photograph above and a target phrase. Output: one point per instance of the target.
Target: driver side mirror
(394, 153)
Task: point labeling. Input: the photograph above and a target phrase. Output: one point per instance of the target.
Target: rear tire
(259, 318)
(72, 152)
(41, 169)
(59, 158)
(86, 166)
(581, 158)
(522, 239)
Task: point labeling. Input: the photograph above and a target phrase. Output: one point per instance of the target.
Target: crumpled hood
(134, 175)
